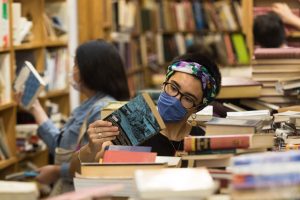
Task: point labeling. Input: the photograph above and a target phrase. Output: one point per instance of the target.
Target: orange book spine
(216, 142)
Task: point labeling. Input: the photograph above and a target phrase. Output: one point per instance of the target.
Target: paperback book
(138, 120)
(29, 83)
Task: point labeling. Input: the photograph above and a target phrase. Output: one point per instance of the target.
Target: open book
(30, 83)
(138, 120)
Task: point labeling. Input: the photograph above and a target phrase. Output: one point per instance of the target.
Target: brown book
(273, 76)
(288, 83)
(275, 61)
(258, 105)
(124, 170)
(280, 99)
(239, 87)
(214, 142)
(276, 68)
(289, 108)
(223, 126)
(211, 160)
(275, 53)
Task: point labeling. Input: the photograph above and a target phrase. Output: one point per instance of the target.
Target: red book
(128, 157)
(202, 143)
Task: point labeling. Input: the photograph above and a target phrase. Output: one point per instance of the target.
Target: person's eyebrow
(185, 93)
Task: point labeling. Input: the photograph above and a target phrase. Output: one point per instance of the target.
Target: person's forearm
(39, 114)
(296, 22)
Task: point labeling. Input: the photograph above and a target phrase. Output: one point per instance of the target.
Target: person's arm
(286, 14)
(47, 131)
(99, 132)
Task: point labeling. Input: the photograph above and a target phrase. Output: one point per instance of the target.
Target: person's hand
(285, 13)
(100, 132)
(48, 174)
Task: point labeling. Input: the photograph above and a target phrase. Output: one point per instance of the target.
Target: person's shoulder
(98, 106)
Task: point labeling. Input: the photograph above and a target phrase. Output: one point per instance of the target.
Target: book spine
(292, 147)
(265, 181)
(210, 152)
(214, 143)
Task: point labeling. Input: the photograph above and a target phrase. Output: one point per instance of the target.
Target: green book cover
(240, 48)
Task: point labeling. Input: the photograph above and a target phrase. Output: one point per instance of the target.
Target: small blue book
(29, 83)
(128, 148)
(138, 120)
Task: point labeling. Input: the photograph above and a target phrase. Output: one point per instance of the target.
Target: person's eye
(189, 99)
(173, 88)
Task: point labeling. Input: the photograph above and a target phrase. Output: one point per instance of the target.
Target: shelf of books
(34, 31)
(149, 34)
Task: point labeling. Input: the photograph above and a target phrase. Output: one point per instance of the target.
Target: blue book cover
(138, 120)
(197, 8)
(128, 148)
(29, 83)
(268, 157)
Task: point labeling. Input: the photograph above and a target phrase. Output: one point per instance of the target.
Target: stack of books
(270, 175)
(118, 166)
(271, 65)
(226, 137)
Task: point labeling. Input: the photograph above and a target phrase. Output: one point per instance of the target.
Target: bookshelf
(150, 33)
(34, 30)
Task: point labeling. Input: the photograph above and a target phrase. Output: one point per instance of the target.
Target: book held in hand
(29, 83)
(138, 120)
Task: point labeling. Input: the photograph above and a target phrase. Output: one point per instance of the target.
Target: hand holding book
(99, 133)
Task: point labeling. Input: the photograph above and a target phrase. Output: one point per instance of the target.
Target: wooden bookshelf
(37, 47)
(137, 37)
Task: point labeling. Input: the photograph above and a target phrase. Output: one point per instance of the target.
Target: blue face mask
(170, 108)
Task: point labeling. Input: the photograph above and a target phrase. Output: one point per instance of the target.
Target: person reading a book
(99, 74)
(192, 81)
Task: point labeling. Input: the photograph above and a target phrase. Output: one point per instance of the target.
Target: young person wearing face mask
(192, 81)
(99, 74)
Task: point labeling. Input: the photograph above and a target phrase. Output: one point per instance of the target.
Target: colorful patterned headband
(209, 85)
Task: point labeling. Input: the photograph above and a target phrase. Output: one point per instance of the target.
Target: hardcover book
(138, 120)
(29, 83)
(128, 157)
(128, 148)
(203, 144)
(220, 126)
(116, 170)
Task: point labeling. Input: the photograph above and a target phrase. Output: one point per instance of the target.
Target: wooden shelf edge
(26, 46)
(8, 105)
(4, 49)
(8, 162)
(56, 43)
(55, 93)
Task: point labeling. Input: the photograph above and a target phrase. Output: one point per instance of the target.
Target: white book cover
(128, 186)
(29, 83)
(18, 190)
(5, 92)
(174, 183)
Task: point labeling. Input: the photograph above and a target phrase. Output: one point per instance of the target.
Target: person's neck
(87, 92)
(177, 131)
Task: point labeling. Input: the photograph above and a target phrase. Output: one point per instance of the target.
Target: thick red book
(201, 143)
(128, 157)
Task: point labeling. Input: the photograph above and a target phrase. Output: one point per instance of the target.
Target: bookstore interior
(67, 132)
